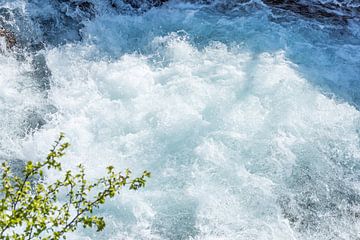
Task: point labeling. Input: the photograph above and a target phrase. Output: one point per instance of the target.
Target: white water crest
(247, 119)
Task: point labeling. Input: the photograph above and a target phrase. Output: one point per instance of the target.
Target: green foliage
(30, 208)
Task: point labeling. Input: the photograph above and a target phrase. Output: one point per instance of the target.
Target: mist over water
(245, 113)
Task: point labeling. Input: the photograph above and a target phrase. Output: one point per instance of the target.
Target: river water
(246, 112)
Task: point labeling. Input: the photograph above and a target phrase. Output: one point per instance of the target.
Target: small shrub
(30, 207)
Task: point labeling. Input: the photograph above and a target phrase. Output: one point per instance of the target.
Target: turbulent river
(246, 112)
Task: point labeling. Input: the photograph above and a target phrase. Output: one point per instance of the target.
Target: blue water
(246, 114)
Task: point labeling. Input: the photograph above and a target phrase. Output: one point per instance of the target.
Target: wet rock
(332, 11)
(139, 4)
(9, 37)
(86, 7)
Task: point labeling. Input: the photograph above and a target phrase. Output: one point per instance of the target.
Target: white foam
(221, 129)
(240, 143)
(18, 99)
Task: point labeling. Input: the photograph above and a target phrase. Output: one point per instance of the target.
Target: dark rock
(9, 37)
(86, 6)
(140, 4)
(322, 11)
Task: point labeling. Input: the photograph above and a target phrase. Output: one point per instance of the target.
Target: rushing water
(246, 112)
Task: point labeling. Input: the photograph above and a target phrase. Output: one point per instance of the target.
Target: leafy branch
(30, 208)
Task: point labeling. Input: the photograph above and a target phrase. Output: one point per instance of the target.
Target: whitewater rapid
(247, 116)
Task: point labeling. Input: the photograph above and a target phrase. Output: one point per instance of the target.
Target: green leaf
(32, 203)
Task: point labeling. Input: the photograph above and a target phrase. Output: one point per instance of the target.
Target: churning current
(246, 112)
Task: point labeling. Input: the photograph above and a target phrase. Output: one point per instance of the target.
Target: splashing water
(246, 114)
